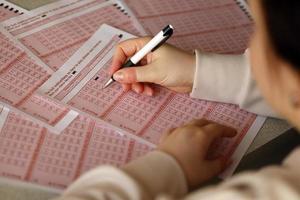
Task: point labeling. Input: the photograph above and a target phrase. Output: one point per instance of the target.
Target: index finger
(124, 50)
(215, 131)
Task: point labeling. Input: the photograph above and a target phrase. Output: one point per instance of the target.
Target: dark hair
(283, 25)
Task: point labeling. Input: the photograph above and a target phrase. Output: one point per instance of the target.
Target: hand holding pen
(166, 66)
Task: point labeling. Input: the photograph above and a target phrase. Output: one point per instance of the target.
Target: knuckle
(195, 121)
(215, 125)
(191, 129)
(120, 44)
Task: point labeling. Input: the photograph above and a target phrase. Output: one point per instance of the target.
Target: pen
(151, 46)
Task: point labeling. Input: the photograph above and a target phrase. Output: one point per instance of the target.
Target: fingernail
(149, 93)
(118, 76)
(137, 90)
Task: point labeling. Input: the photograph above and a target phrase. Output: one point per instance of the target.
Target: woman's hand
(189, 145)
(167, 66)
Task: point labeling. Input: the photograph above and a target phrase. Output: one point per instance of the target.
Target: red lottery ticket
(55, 36)
(222, 26)
(20, 77)
(79, 84)
(28, 152)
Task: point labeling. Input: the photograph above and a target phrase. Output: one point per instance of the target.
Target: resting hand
(189, 145)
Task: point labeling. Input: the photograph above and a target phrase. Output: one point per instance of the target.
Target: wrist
(155, 171)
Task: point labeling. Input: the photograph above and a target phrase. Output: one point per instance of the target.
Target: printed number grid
(233, 116)
(228, 41)
(133, 111)
(197, 21)
(47, 19)
(18, 140)
(20, 80)
(106, 147)
(180, 110)
(92, 99)
(44, 109)
(60, 154)
(58, 39)
(56, 60)
(145, 8)
(109, 147)
(30, 154)
(8, 52)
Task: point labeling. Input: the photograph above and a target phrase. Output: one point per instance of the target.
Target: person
(179, 164)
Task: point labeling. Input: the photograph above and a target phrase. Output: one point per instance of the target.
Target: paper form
(20, 76)
(79, 81)
(56, 37)
(48, 13)
(28, 152)
(218, 26)
(9, 10)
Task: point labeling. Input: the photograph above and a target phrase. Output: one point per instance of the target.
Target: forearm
(227, 78)
(145, 178)
(159, 174)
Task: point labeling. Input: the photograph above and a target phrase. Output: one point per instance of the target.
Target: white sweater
(228, 79)
(158, 175)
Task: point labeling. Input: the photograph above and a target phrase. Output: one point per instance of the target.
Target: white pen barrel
(147, 48)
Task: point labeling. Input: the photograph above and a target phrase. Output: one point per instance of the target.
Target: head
(275, 54)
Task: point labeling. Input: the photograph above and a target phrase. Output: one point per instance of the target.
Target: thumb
(136, 74)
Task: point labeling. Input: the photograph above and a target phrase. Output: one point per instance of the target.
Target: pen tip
(110, 81)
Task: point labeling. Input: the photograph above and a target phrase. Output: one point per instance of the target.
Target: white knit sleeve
(228, 79)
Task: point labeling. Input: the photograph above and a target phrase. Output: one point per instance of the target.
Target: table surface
(12, 190)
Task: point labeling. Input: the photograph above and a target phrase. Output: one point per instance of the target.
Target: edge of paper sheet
(57, 129)
(243, 146)
(24, 11)
(3, 116)
(133, 16)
